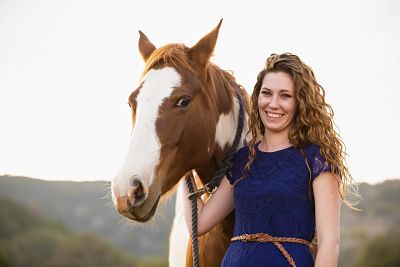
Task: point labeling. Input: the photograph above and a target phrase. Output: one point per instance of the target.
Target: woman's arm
(218, 206)
(327, 216)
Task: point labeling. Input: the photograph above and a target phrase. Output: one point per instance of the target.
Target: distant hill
(380, 216)
(83, 207)
(28, 240)
(86, 207)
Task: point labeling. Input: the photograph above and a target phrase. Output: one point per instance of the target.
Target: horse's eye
(183, 102)
(129, 104)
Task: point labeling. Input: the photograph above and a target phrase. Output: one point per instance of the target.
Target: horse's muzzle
(135, 202)
(135, 196)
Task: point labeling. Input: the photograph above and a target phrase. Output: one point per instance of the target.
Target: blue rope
(195, 239)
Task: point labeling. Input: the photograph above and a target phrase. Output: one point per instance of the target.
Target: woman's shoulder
(243, 149)
(310, 147)
(241, 154)
(312, 150)
(239, 161)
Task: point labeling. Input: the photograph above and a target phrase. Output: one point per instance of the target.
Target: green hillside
(28, 240)
(378, 220)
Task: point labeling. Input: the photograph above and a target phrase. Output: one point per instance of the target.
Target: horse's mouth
(144, 218)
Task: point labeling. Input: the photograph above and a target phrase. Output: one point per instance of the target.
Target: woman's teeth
(274, 115)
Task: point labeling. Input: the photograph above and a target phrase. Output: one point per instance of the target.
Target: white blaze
(144, 149)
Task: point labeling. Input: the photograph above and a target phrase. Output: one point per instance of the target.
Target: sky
(68, 67)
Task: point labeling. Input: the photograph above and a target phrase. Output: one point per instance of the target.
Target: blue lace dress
(275, 200)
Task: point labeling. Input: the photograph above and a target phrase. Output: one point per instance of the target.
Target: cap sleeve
(318, 163)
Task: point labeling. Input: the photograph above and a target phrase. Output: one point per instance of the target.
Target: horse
(185, 115)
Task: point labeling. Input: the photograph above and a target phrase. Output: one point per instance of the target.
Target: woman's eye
(286, 95)
(183, 102)
(266, 93)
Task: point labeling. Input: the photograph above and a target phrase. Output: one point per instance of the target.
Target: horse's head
(176, 113)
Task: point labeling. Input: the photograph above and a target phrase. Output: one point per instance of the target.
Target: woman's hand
(218, 206)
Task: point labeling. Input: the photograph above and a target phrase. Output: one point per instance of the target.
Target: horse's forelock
(173, 55)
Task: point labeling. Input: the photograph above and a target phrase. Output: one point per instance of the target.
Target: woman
(288, 182)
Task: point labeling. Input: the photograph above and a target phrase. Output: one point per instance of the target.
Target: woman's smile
(274, 115)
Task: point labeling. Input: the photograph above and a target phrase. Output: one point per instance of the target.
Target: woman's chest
(273, 183)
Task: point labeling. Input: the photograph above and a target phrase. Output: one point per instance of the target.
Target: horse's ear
(145, 46)
(202, 51)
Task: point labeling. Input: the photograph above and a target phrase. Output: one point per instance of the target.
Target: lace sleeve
(319, 165)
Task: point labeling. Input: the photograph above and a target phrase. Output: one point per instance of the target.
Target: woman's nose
(274, 102)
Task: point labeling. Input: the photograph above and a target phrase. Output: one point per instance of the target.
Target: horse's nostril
(137, 186)
(136, 193)
(135, 182)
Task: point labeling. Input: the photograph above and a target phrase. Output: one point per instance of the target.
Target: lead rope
(212, 186)
(195, 244)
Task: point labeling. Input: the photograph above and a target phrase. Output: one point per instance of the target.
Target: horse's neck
(225, 134)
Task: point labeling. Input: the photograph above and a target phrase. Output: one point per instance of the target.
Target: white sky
(68, 67)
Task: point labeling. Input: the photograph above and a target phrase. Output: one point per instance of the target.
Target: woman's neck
(273, 141)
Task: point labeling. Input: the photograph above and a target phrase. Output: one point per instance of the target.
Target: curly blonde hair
(313, 122)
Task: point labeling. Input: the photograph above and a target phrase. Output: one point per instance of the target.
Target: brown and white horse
(185, 116)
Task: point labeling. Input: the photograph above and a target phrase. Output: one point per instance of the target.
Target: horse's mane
(176, 55)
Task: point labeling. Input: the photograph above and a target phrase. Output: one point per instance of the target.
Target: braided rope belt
(262, 237)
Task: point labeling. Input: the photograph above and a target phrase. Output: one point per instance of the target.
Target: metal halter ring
(201, 191)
